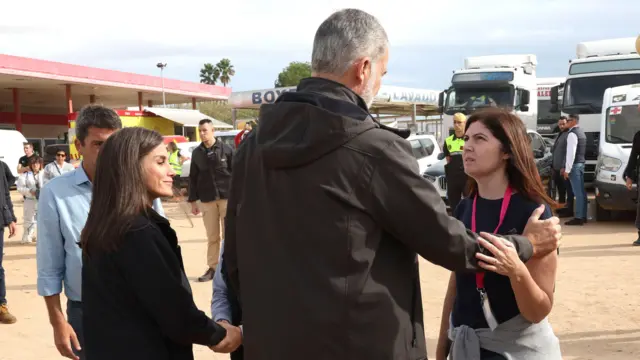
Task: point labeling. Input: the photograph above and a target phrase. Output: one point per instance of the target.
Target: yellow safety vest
(174, 161)
(454, 145)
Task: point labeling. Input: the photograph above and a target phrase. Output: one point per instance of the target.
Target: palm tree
(209, 74)
(226, 71)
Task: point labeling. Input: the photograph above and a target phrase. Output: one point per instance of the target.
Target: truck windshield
(586, 93)
(471, 98)
(622, 123)
(545, 116)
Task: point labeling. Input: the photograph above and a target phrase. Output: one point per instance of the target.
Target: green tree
(221, 110)
(209, 74)
(225, 70)
(292, 74)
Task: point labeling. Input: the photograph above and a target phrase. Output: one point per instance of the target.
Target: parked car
(186, 149)
(541, 153)
(425, 149)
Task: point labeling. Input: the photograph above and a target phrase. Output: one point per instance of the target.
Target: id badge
(488, 314)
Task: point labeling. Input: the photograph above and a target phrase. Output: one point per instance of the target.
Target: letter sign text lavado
(413, 97)
(268, 97)
(544, 92)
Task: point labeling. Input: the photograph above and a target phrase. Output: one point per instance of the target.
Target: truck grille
(442, 181)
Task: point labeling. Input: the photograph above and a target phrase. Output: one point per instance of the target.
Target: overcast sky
(429, 39)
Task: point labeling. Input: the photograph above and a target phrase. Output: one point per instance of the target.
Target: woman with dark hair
(29, 184)
(137, 302)
(500, 313)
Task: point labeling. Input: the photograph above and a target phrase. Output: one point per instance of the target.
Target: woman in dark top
(500, 313)
(136, 298)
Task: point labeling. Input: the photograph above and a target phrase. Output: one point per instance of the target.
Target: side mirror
(441, 100)
(538, 154)
(526, 97)
(441, 156)
(553, 95)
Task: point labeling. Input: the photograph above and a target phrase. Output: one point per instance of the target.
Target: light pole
(162, 66)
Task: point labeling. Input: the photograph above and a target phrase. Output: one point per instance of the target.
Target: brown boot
(208, 276)
(5, 315)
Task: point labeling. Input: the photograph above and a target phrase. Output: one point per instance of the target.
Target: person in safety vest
(175, 160)
(454, 169)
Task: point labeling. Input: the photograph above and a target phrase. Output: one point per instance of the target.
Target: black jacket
(210, 172)
(7, 179)
(137, 302)
(326, 213)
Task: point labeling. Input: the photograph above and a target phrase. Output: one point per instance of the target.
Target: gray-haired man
(327, 211)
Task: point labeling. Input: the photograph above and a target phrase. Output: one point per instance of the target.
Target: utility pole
(162, 66)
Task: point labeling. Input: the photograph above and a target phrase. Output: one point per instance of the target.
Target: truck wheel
(602, 214)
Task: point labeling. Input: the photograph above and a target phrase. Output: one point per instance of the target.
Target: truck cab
(599, 65)
(619, 122)
(548, 115)
(507, 81)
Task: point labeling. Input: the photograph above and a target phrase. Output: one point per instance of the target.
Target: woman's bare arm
(533, 287)
(442, 350)
(532, 283)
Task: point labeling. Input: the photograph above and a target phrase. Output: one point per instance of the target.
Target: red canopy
(175, 138)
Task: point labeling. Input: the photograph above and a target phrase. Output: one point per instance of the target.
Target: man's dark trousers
(456, 181)
(3, 287)
(559, 183)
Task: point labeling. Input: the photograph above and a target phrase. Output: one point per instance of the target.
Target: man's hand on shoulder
(232, 341)
(544, 235)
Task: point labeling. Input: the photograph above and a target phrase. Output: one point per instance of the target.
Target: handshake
(231, 341)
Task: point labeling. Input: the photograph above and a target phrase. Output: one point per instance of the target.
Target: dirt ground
(595, 314)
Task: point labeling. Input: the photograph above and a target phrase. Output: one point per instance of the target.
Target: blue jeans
(74, 316)
(3, 287)
(576, 177)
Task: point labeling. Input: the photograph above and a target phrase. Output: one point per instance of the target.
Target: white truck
(619, 122)
(547, 125)
(599, 65)
(501, 80)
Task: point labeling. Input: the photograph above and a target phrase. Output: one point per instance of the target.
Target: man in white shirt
(574, 170)
(58, 167)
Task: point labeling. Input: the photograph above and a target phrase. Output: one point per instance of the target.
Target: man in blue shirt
(225, 307)
(62, 213)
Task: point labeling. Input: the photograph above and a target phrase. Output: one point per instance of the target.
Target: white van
(619, 122)
(12, 148)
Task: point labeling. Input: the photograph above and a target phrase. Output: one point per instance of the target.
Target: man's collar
(81, 176)
(212, 145)
(331, 89)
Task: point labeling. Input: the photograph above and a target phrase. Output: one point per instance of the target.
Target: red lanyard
(503, 212)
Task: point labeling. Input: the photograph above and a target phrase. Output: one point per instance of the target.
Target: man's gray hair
(344, 37)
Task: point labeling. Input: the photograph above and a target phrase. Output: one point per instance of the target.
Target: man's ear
(78, 145)
(363, 69)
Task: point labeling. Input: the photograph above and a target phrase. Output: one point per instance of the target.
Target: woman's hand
(505, 260)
